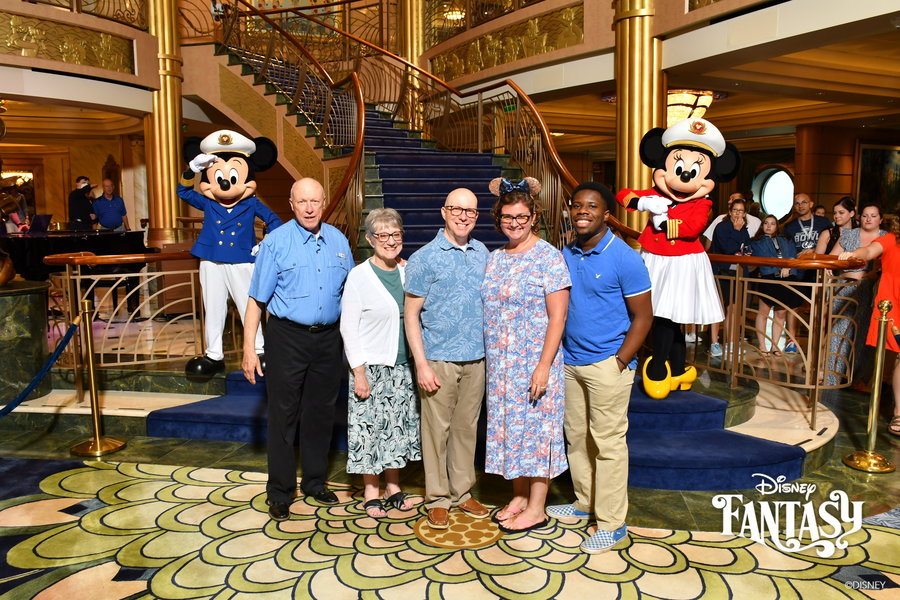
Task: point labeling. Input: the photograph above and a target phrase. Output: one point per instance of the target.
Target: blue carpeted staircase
(238, 416)
(680, 443)
(408, 174)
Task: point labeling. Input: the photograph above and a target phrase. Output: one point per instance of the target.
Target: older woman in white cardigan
(383, 419)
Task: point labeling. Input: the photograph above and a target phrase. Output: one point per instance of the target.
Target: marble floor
(648, 508)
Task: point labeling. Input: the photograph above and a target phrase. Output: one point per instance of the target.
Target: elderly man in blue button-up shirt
(445, 331)
(299, 275)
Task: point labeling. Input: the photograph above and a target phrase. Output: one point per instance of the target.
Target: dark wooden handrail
(817, 261)
(89, 258)
(358, 147)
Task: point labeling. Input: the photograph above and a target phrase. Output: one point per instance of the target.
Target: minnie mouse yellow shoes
(684, 381)
(657, 389)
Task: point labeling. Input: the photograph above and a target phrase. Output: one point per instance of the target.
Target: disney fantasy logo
(804, 525)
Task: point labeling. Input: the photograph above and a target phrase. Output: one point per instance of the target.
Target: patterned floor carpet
(110, 531)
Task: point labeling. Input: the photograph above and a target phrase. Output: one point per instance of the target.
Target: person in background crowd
(818, 210)
(81, 211)
(525, 294)
(753, 222)
(304, 356)
(840, 344)
(731, 237)
(769, 243)
(610, 314)
(844, 218)
(445, 331)
(803, 231)
(110, 209)
(383, 419)
(886, 247)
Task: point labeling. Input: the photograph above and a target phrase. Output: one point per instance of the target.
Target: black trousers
(303, 375)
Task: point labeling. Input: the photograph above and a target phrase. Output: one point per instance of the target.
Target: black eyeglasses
(458, 210)
(397, 236)
(520, 219)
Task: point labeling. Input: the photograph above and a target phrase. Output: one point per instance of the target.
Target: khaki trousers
(449, 421)
(596, 421)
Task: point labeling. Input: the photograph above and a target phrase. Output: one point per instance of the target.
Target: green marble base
(23, 337)
(143, 379)
(741, 400)
(69, 424)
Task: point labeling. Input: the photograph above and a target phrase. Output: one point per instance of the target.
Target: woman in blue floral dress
(526, 295)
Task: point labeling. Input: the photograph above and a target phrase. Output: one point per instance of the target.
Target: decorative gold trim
(539, 35)
(40, 38)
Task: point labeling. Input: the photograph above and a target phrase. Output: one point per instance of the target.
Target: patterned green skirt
(383, 429)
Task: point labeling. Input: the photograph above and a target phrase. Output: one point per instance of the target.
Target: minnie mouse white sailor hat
(225, 140)
(697, 133)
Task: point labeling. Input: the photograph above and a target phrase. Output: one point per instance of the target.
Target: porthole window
(774, 187)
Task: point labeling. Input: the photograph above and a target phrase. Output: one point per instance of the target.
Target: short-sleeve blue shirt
(598, 317)
(109, 211)
(301, 276)
(449, 278)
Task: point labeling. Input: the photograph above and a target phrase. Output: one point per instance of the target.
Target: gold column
(162, 128)
(640, 98)
(412, 44)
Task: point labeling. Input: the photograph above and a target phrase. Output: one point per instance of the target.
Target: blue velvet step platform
(680, 443)
(238, 416)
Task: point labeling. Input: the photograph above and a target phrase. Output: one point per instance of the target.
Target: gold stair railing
(332, 110)
(498, 118)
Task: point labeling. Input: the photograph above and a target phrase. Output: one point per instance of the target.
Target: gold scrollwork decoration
(696, 4)
(39, 38)
(539, 35)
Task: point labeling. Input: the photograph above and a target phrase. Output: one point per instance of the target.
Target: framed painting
(878, 176)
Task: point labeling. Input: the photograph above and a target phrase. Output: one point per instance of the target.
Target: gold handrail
(335, 130)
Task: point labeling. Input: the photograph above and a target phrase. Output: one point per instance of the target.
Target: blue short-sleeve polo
(598, 317)
(300, 275)
(449, 278)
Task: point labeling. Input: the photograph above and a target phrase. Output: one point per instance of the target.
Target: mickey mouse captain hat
(697, 133)
(227, 141)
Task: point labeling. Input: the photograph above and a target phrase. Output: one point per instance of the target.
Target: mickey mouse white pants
(220, 280)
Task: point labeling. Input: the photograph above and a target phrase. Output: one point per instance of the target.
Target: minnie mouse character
(687, 160)
(227, 162)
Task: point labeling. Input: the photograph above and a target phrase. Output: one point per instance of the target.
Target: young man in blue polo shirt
(610, 314)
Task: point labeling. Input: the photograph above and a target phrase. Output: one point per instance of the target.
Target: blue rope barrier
(42, 373)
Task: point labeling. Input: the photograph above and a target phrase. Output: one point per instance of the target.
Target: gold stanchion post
(99, 444)
(868, 460)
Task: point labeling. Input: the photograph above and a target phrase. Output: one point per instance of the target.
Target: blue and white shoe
(791, 348)
(715, 349)
(566, 511)
(603, 541)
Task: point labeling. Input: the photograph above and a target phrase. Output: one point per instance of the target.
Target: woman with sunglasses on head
(382, 417)
(769, 243)
(526, 296)
(840, 344)
(731, 236)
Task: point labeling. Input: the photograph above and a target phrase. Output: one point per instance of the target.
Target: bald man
(443, 318)
(299, 277)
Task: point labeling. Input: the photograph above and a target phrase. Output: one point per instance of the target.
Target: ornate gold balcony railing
(128, 12)
(830, 320)
(331, 106)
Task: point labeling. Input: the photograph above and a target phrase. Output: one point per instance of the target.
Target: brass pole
(639, 93)
(413, 47)
(98, 445)
(74, 288)
(163, 127)
(868, 460)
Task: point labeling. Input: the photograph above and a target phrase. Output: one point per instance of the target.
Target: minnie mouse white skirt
(684, 289)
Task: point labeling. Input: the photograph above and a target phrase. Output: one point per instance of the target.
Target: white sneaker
(690, 338)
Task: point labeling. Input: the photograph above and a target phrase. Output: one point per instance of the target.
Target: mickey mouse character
(227, 162)
(687, 160)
